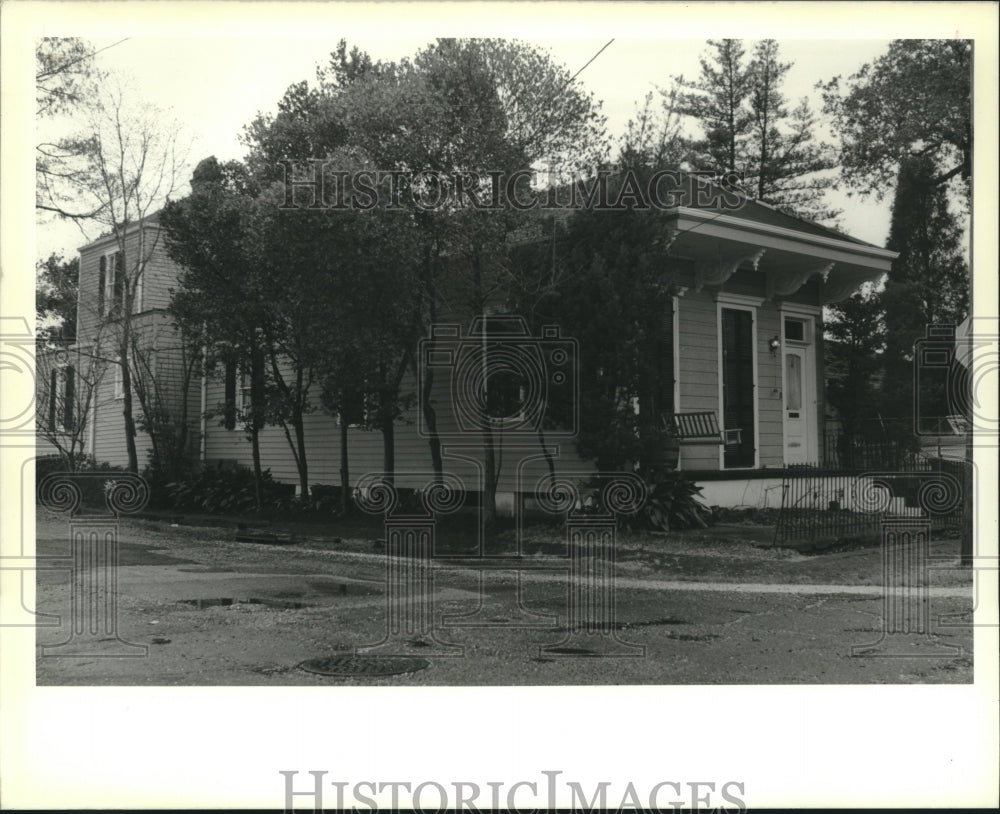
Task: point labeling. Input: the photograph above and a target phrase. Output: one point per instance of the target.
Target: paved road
(205, 621)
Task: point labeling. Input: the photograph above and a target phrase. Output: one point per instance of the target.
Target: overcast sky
(214, 86)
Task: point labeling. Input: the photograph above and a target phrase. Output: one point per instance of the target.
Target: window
(356, 408)
(793, 380)
(111, 283)
(246, 390)
(795, 330)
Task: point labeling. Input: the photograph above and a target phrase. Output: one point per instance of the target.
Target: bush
(225, 491)
(48, 464)
(92, 490)
(672, 504)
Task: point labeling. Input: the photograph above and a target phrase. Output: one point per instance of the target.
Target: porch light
(774, 345)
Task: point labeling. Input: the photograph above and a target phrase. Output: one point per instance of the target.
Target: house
(80, 397)
(746, 356)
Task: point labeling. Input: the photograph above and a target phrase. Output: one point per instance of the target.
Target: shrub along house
(746, 358)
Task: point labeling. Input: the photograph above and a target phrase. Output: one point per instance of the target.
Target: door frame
(810, 315)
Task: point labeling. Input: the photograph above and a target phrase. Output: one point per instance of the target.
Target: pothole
(372, 666)
(692, 637)
(667, 620)
(227, 601)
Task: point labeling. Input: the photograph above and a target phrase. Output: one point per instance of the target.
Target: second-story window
(111, 284)
(243, 402)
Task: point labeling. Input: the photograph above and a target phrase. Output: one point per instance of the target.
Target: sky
(214, 86)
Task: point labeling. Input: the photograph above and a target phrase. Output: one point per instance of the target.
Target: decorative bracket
(718, 271)
(783, 283)
(840, 290)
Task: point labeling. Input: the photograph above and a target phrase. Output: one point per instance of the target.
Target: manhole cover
(364, 665)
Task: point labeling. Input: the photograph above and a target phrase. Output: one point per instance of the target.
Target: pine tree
(929, 282)
(748, 128)
(719, 101)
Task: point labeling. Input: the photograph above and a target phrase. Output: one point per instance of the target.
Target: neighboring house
(747, 330)
(89, 370)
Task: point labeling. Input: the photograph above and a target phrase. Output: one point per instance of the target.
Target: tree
(785, 162)
(929, 282)
(855, 341)
(128, 163)
(320, 269)
(56, 300)
(913, 101)
(218, 303)
(718, 101)
(467, 106)
(614, 298)
(134, 164)
(749, 128)
(164, 360)
(66, 77)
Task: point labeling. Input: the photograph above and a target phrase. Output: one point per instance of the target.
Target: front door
(800, 406)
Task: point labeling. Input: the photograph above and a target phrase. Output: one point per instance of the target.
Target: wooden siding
(155, 333)
(159, 275)
(412, 451)
(770, 404)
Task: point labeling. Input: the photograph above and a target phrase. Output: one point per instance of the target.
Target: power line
(595, 56)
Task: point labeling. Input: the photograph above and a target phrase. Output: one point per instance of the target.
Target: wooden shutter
(53, 398)
(69, 396)
(102, 282)
(665, 358)
(230, 407)
(118, 293)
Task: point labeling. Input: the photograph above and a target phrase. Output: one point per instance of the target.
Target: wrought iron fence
(863, 482)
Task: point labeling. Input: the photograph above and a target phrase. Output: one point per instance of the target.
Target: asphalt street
(192, 606)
